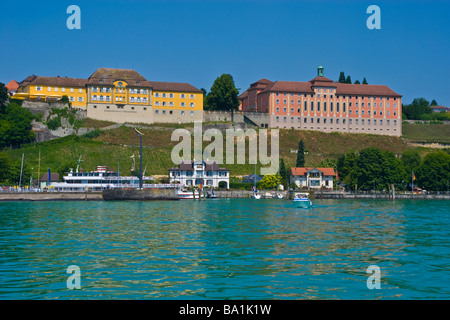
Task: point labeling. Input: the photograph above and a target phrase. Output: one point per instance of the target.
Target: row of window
(198, 173)
(56, 89)
(120, 90)
(331, 120)
(119, 99)
(331, 91)
(171, 112)
(172, 104)
(375, 112)
(388, 105)
(172, 95)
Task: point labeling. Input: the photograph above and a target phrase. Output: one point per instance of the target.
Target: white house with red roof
(312, 178)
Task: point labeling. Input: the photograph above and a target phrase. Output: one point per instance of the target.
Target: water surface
(225, 249)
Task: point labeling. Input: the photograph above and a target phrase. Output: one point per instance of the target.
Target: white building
(313, 178)
(192, 173)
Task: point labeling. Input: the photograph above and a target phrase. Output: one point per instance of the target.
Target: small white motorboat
(256, 195)
(185, 194)
(302, 199)
(278, 196)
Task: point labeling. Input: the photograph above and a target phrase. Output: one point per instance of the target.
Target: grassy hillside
(439, 133)
(117, 145)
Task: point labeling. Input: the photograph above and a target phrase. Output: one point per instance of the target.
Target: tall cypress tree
(300, 154)
(342, 77)
(364, 81)
(284, 174)
(348, 80)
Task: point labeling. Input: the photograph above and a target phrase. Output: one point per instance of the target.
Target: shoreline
(235, 194)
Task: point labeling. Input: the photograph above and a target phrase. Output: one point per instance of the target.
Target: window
(368, 122)
(284, 101)
(388, 122)
(132, 99)
(306, 108)
(171, 112)
(337, 121)
(192, 104)
(312, 106)
(156, 111)
(192, 113)
(304, 120)
(381, 122)
(182, 96)
(343, 107)
(356, 121)
(182, 112)
(56, 89)
(278, 109)
(80, 90)
(63, 89)
(80, 99)
(318, 120)
(164, 112)
(284, 109)
(192, 96)
(71, 98)
(171, 95)
(164, 104)
(374, 121)
(325, 107)
(284, 119)
(164, 95)
(292, 110)
(395, 122)
(94, 98)
(144, 100)
(337, 107)
(277, 119)
(156, 95)
(318, 106)
(278, 101)
(171, 104)
(292, 101)
(183, 104)
(331, 106)
(157, 103)
(49, 88)
(71, 89)
(362, 121)
(343, 121)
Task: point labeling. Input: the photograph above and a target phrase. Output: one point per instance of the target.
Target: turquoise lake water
(225, 249)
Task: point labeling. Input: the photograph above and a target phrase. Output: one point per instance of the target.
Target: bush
(92, 134)
(54, 123)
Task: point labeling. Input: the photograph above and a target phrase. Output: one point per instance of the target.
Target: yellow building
(120, 95)
(50, 89)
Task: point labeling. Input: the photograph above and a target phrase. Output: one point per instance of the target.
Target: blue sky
(196, 41)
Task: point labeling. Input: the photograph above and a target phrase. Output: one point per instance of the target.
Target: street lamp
(139, 134)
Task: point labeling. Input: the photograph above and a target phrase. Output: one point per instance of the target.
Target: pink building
(324, 105)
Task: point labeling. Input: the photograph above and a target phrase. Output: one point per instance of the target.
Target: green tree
(411, 161)
(205, 93)
(364, 81)
(284, 174)
(65, 99)
(3, 94)
(379, 167)
(4, 168)
(357, 82)
(417, 108)
(342, 77)
(300, 154)
(14, 173)
(434, 172)
(223, 94)
(15, 126)
(269, 181)
(65, 167)
(346, 166)
(433, 103)
(348, 80)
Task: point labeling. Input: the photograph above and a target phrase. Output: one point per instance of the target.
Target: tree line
(420, 109)
(376, 169)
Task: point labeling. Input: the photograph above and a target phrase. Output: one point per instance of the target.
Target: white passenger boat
(302, 199)
(101, 179)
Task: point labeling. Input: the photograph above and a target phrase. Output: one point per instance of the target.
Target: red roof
(296, 171)
(307, 87)
(13, 85)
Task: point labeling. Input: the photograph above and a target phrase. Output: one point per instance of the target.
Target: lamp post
(139, 134)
